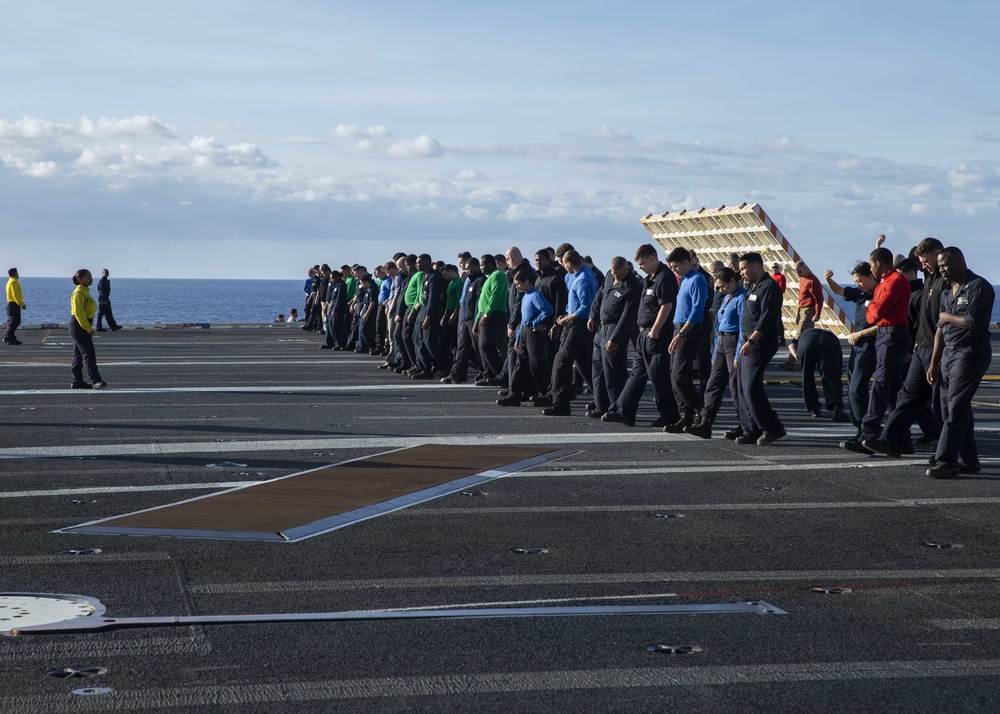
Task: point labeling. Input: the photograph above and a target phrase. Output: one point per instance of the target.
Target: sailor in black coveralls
(761, 328)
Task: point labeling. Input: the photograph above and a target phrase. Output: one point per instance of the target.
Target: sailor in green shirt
(491, 321)
(411, 299)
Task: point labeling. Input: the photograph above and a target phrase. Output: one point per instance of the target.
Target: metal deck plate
(310, 503)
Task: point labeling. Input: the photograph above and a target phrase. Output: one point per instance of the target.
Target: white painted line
(92, 560)
(730, 467)
(838, 577)
(364, 442)
(680, 508)
(90, 648)
(229, 363)
(449, 686)
(248, 388)
(125, 489)
(971, 623)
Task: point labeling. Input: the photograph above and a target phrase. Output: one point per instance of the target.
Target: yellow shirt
(83, 306)
(14, 292)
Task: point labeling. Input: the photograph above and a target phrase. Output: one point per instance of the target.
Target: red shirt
(891, 301)
(780, 280)
(811, 292)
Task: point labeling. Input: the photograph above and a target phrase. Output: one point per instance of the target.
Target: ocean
(150, 300)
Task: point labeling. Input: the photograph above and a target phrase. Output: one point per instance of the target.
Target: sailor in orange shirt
(887, 316)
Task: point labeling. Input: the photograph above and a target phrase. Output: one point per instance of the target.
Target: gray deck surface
(919, 632)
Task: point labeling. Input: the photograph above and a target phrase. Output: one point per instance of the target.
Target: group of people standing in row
(83, 309)
(541, 331)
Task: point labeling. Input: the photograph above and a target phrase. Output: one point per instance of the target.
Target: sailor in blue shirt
(576, 342)
(726, 356)
(689, 317)
(531, 341)
(962, 354)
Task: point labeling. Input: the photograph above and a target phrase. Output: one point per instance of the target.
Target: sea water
(150, 300)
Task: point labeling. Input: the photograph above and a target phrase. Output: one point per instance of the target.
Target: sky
(254, 139)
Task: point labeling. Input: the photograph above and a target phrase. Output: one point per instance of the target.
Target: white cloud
(474, 213)
(919, 208)
(422, 146)
(344, 131)
(921, 189)
(783, 143)
(469, 175)
(135, 127)
(138, 126)
(610, 134)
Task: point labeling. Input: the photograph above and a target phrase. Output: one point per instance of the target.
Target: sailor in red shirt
(887, 316)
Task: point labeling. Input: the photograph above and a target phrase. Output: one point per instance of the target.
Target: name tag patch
(963, 301)
(649, 291)
(617, 294)
(752, 297)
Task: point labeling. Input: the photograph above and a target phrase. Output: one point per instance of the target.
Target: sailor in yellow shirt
(15, 303)
(83, 307)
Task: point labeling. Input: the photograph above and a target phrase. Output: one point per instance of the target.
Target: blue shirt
(535, 310)
(582, 291)
(691, 297)
(384, 289)
(308, 286)
(731, 315)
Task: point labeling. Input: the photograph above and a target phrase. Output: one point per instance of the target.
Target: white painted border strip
(838, 577)
(449, 686)
(315, 528)
(361, 442)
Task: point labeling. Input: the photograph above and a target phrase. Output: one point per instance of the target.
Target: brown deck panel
(298, 500)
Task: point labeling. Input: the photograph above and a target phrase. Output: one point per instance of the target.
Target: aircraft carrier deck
(877, 619)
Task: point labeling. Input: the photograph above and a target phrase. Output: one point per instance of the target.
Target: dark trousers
(819, 349)
(336, 330)
(315, 320)
(962, 370)
(705, 355)
(723, 373)
(609, 372)
(83, 354)
(104, 313)
(409, 343)
(575, 348)
(466, 352)
(650, 364)
(890, 349)
(683, 362)
(532, 363)
(353, 331)
(381, 327)
(401, 356)
(430, 355)
(13, 321)
(490, 336)
(366, 333)
(860, 368)
(756, 413)
(913, 401)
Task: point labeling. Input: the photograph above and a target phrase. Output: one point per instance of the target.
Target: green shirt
(352, 286)
(412, 295)
(454, 294)
(493, 298)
